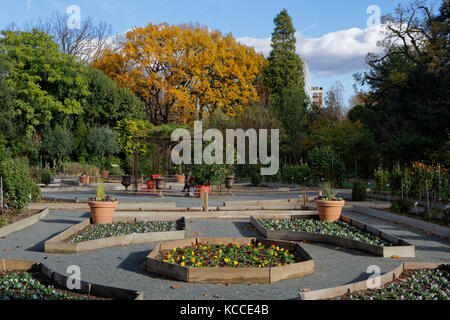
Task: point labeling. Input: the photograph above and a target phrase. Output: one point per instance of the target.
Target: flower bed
(230, 255)
(99, 231)
(338, 228)
(230, 260)
(422, 284)
(126, 229)
(26, 286)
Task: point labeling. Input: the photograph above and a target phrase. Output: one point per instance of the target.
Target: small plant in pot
(328, 204)
(102, 207)
(229, 180)
(207, 175)
(180, 177)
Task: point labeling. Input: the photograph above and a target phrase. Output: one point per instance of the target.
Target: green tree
(101, 142)
(108, 103)
(409, 85)
(285, 67)
(49, 84)
(283, 77)
(58, 144)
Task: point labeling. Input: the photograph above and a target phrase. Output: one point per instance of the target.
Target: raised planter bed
(386, 279)
(412, 222)
(23, 270)
(62, 242)
(303, 265)
(393, 246)
(24, 223)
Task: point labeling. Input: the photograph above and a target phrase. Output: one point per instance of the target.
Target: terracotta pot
(85, 179)
(180, 178)
(102, 211)
(200, 188)
(329, 210)
(104, 174)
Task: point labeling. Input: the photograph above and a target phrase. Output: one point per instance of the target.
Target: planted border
(230, 275)
(400, 247)
(384, 279)
(61, 280)
(59, 244)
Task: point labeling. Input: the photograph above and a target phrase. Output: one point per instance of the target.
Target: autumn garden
(76, 103)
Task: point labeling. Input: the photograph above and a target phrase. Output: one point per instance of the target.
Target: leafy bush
(91, 170)
(255, 176)
(326, 165)
(395, 182)
(72, 168)
(402, 206)
(46, 176)
(381, 179)
(18, 187)
(116, 171)
(359, 192)
(101, 142)
(296, 174)
(209, 174)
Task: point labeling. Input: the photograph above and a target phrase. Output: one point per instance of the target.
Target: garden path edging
(61, 280)
(401, 247)
(24, 223)
(58, 244)
(412, 222)
(229, 275)
(330, 293)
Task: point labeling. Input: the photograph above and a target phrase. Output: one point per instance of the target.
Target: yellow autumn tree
(181, 72)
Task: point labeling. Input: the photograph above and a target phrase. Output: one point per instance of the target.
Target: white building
(307, 77)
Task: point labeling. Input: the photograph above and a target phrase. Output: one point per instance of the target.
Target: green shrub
(395, 182)
(116, 171)
(255, 176)
(359, 192)
(326, 165)
(46, 176)
(209, 174)
(58, 144)
(381, 179)
(298, 174)
(18, 186)
(72, 168)
(402, 206)
(102, 142)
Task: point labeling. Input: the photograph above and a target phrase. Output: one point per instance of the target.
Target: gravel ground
(123, 266)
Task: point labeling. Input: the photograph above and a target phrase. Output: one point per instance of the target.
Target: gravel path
(123, 266)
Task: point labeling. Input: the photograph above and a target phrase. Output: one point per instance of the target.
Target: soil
(11, 218)
(45, 281)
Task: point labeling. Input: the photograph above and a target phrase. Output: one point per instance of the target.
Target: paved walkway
(124, 266)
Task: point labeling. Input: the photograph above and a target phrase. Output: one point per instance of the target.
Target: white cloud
(339, 52)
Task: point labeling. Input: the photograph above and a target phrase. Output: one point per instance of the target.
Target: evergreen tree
(283, 76)
(285, 67)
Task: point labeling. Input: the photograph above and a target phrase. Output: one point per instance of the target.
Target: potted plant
(104, 173)
(207, 175)
(229, 180)
(180, 177)
(328, 204)
(102, 207)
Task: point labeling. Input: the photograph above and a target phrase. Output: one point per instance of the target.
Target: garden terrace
(236, 265)
(346, 232)
(125, 230)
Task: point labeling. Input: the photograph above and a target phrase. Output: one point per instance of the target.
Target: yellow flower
(183, 257)
(165, 260)
(259, 266)
(168, 256)
(235, 263)
(220, 251)
(226, 260)
(182, 264)
(193, 260)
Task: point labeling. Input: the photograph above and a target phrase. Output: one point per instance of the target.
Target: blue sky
(332, 35)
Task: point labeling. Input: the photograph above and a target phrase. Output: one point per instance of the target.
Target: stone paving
(124, 266)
